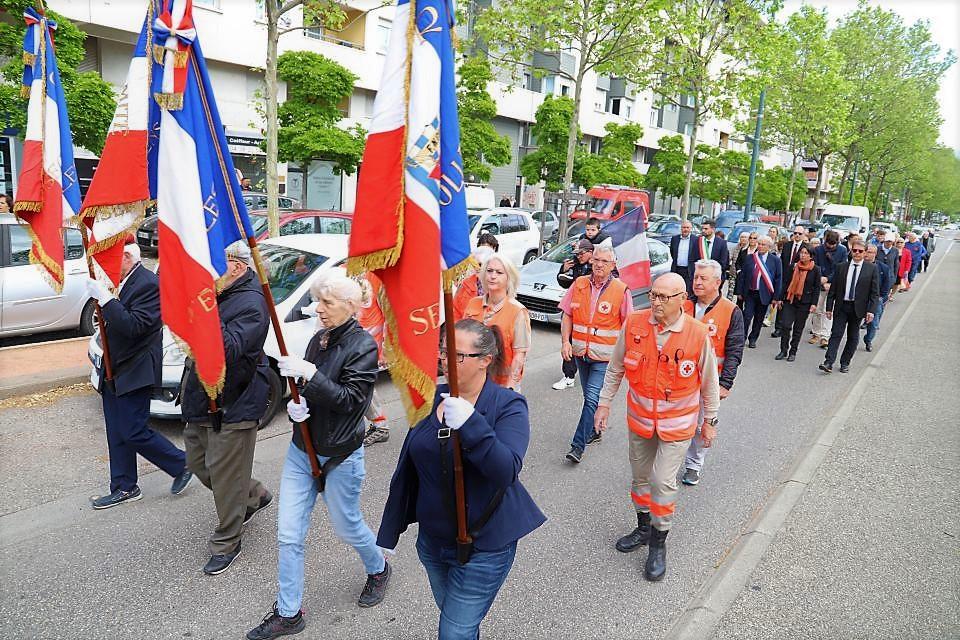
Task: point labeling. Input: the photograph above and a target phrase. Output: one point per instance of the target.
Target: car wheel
(88, 318)
(274, 397)
(530, 257)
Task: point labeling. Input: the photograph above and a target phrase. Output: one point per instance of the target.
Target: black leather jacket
(340, 392)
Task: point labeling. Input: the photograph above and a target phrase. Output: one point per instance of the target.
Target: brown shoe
(813, 340)
(824, 343)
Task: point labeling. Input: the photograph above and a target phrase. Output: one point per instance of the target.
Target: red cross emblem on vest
(687, 367)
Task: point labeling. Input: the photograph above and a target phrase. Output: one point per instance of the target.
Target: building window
(688, 129)
(654, 117)
(260, 11)
(601, 101)
(615, 106)
(383, 34)
(212, 4)
(527, 81)
(564, 90)
(628, 110)
(549, 84)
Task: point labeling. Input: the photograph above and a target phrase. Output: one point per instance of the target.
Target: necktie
(853, 283)
(707, 257)
(796, 252)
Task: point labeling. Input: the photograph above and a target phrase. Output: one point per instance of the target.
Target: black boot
(638, 537)
(656, 565)
(781, 355)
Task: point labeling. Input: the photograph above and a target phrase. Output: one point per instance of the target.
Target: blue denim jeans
(298, 494)
(874, 326)
(591, 380)
(464, 593)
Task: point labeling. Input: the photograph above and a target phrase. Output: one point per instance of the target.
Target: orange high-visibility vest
(596, 336)
(717, 320)
(467, 290)
(664, 394)
(505, 318)
(371, 316)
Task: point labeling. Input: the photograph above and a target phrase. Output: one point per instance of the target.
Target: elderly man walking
(670, 366)
(594, 310)
(757, 285)
(683, 251)
(724, 322)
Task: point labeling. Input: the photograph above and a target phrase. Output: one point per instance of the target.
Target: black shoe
(868, 345)
(691, 477)
(221, 562)
(780, 356)
(656, 566)
(375, 589)
(776, 334)
(791, 357)
(844, 368)
(265, 501)
(275, 625)
(117, 497)
(574, 455)
(638, 537)
(181, 482)
(752, 344)
(595, 438)
(826, 367)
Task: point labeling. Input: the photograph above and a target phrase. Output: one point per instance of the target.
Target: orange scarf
(800, 270)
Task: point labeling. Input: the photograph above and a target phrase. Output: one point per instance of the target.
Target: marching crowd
(680, 358)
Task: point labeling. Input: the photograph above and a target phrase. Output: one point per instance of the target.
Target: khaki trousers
(821, 324)
(223, 462)
(655, 465)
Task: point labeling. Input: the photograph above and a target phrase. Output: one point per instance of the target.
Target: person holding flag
(757, 286)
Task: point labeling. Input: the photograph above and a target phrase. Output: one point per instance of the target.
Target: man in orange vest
(724, 322)
(669, 363)
(594, 310)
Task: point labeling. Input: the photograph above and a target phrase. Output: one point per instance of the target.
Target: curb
(718, 593)
(37, 383)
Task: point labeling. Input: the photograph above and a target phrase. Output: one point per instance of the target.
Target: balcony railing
(318, 34)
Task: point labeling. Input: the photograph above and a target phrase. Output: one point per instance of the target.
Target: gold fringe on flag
(29, 59)
(455, 274)
(404, 372)
(213, 391)
(158, 51)
(51, 272)
(180, 59)
(31, 206)
(25, 92)
(169, 101)
(384, 258)
(102, 212)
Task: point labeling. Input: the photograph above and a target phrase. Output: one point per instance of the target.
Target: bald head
(670, 283)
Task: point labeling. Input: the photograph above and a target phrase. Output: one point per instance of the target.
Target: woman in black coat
(798, 299)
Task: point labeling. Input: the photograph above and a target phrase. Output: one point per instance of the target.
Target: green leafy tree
(706, 57)
(548, 161)
(482, 147)
(614, 163)
(667, 173)
(608, 37)
(772, 187)
(90, 102)
(309, 119)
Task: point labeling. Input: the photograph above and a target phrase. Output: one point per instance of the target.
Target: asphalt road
(135, 571)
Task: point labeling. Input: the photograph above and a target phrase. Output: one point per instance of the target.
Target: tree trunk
(816, 191)
(876, 201)
(685, 202)
(571, 148)
(866, 186)
(846, 172)
(793, 178)
(273, 180)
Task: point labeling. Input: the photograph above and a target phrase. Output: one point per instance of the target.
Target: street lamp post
(754, 157)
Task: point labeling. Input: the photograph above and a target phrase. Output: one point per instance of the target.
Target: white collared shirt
(683, 251)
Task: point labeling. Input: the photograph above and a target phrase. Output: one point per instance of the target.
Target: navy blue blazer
(494, 441)
(719, 251)
(746, 277)
(134, 332)
(692, 251)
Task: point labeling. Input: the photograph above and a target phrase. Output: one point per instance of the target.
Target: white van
(846, 218)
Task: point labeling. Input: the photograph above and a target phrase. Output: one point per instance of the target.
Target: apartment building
(233, 36)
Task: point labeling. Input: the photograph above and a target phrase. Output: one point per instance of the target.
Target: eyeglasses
(460, 356)
(752, 238)
(856, 250)
(798, 233)
(665, 297)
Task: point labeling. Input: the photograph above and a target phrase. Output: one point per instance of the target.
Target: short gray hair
(604, 249)
(713, 265)
(766, 239)
(335, 283)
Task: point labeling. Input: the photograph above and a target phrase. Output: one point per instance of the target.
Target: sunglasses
(856, 250)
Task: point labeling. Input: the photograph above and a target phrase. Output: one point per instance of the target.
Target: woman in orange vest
(470, 288)
(498, 306)
(370, 316)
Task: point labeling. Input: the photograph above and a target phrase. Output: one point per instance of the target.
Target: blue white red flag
(48, 193)
(629, 237)
(189, 174)
(410, 223)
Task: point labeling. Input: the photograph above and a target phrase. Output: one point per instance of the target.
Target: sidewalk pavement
(871, 549)
(37, 367)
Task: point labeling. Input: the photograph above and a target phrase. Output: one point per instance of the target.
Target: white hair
(513, 275)
(336, 284)
(713, 265)
(133, 249)
(765, 239)
(604, 249)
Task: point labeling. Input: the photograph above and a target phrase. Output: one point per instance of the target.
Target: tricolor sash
(762, 273)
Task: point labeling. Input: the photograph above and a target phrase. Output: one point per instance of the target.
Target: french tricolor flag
(629, 237)
(48, 193)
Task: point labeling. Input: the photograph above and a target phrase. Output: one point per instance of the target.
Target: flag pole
(464, 539)
(107, 364)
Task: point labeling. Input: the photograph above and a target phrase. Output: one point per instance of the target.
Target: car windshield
(594, 205)
(288, 268)
(665, 227)
(473, 219)
(837, 221)
(559, 253)
(734, 234)
(260, 224)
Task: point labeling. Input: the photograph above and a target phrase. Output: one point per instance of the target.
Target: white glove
(294, 367)
(298, 411)
(456, 411)
(310, 310)
(97, 290)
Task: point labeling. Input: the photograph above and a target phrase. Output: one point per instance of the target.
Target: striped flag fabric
(629, 237)
(188, 173)
(48, 192)
(410, 223)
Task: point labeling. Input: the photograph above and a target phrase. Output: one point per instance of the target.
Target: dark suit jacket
(866, 294)
(691, 254)
(718, 251)
(134, 332)
(746, 277)
(786, 256)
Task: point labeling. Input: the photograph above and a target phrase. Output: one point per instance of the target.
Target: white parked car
(292, 262)
(28, 304)
(540, 293)
(515, 229)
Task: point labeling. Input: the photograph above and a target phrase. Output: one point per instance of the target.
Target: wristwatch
(711, 421)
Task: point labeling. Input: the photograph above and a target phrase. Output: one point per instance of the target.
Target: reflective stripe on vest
(664, 394)
(595, 334)
(717, 320)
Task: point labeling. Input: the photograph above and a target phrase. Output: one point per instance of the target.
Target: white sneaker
(563, 383)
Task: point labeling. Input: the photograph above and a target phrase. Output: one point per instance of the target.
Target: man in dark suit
(852, 299)
(709, 247)
(683, 252)
(134, 338)
(757, 285)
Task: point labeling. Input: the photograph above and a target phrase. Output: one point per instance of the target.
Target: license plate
(539, 317)
(143, 236)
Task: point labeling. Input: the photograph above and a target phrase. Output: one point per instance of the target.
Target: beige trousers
(820, 323)
(655, 465)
